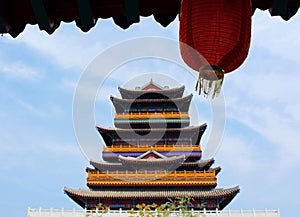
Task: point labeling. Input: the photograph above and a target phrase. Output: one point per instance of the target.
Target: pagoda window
(160, 143)
(132, 109)
(151, 109)
(138, 141)
(164, 139)
(133, 142)
(211, 204)
(160, 109)
(172, 108)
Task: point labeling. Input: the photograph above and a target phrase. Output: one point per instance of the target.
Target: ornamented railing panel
(147, 115)
(159, 148)
(152, 175)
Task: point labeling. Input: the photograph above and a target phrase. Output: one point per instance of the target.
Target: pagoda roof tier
(150, 123)
(201, 164)
(168, 163)
(198, 165)
(154, 100)
(216, 169)
(124, 105)
(114, 156)
(194, 133)
(208, 194)
(220, 195)
(104, 166)
(152, 94)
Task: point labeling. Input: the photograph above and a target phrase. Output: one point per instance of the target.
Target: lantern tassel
(210, 81)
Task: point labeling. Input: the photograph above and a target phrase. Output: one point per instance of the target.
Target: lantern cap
(210, 80)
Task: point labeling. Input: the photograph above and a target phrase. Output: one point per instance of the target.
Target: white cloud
(68, 85)
(64, 47)
(239, 155)
(70, 48)
(56, 148)
(270, 119)
(279, 37)
(17, 106)
(30, 108)
(19, 70)
(105, 93)
(262, 95)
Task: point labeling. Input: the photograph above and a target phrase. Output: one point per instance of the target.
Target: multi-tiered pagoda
(152, 155)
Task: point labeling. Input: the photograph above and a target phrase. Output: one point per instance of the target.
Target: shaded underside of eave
(48, 14)
(201, 165)
(187, 98)
(283, 8)
(193, 132)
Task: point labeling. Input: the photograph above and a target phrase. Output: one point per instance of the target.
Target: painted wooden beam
(132, 11)
(279, 7)
(2, 26)
(87, 20)
(41, 16)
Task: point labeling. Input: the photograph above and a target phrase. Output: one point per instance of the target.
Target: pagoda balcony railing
(157, 147)
(150, 175)
(154, 181)
(147, 115)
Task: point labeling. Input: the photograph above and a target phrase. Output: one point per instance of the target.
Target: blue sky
(39, 151)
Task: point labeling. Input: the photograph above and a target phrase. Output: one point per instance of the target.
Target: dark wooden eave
(201, 164)
(136, 163)
(198, 165)
(283, 8)
(82, 195)
(165, 93)
(193, 132)
(123, 105)
(48, 14)
(154, 100)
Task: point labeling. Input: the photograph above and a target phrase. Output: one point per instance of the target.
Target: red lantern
(219, 31)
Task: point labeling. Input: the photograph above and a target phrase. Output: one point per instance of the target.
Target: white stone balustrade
(125, 213)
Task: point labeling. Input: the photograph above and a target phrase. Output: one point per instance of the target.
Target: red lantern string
(219, 30)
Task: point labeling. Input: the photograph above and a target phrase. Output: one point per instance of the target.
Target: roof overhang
(48, 14)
